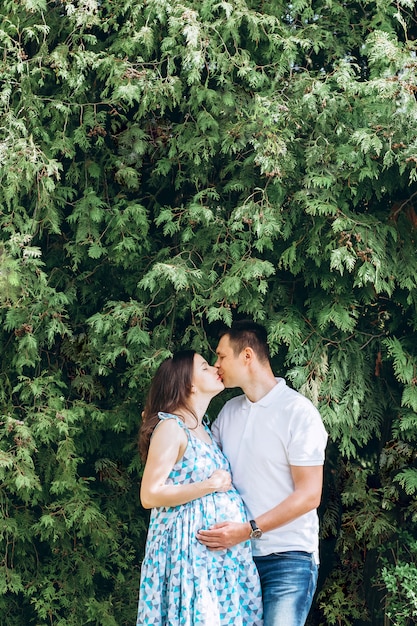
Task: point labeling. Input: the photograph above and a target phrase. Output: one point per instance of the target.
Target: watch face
(256, 532)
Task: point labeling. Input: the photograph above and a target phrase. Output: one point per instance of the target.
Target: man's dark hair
(247, 334)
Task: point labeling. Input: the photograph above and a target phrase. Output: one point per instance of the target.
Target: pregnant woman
(187, 484)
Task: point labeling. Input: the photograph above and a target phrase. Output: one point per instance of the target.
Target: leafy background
(169, 166)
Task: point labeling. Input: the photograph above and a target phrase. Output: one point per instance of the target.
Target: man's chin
(229, 385)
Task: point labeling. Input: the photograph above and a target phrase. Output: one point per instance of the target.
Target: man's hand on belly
(224, 535)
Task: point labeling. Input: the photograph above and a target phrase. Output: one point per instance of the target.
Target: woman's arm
(167, 446)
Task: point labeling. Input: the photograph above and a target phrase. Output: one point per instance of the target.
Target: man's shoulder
(292, 395)
(232, 405)
(235, 401)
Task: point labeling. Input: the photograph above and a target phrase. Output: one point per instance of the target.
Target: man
(275, 440)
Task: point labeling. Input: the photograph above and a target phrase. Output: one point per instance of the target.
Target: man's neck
(260, 385)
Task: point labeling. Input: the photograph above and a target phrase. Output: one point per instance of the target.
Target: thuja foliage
(169, 166)
(399, 576)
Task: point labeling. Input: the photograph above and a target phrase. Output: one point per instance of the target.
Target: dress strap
(170, 416)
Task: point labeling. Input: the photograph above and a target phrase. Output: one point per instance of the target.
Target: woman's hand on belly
(220, 480)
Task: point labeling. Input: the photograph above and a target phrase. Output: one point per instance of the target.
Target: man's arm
(308, 483)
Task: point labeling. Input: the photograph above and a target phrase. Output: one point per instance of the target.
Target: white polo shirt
(261, 440)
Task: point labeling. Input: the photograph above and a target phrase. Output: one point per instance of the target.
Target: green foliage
(166, 167)
(399, 576)
(401, 586)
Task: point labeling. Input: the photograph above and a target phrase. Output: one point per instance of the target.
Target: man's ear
(248, 355)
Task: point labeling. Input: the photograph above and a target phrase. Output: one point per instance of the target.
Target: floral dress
(182, 582)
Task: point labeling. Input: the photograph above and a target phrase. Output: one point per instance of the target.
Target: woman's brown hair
(169, 392)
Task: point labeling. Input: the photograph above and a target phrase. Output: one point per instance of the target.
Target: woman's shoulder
(169, 430)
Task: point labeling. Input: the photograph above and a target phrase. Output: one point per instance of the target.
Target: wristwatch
(256, 532)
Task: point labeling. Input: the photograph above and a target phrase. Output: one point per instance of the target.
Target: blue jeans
(288, 581)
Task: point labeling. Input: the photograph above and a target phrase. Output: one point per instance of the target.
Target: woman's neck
(193, 416)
